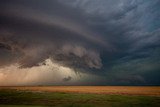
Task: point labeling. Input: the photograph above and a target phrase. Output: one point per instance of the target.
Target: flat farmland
(80, 96)
(116, 90)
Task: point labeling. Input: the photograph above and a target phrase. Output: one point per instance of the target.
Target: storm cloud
(116, 41)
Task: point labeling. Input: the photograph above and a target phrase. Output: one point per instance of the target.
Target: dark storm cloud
(116, 39)
(67, 78)
(43, 30)
(3, 46)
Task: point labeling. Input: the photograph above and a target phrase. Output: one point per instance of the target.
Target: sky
(79, 42)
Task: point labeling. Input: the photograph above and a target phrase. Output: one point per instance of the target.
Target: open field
(79, 96)
(120, 90)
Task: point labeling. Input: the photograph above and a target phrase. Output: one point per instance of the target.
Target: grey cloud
(4, 46)
(148, 40)
(115, 37)
(91, 58)
(67, 78)
(38, 35)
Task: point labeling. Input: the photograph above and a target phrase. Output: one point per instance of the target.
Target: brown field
(119, 90)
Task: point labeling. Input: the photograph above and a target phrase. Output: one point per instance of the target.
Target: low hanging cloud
(52, 35)
(46, 73)
(67, 78)
(49, 73)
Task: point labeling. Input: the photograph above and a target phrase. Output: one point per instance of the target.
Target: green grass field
(14, 98)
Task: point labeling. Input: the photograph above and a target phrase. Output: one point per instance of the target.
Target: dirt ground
(120, 90)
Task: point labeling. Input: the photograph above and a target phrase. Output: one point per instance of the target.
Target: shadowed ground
(120, 90)
(48, 97)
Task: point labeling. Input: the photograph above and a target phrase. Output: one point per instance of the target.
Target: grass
(20, 106)
(14, 98)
